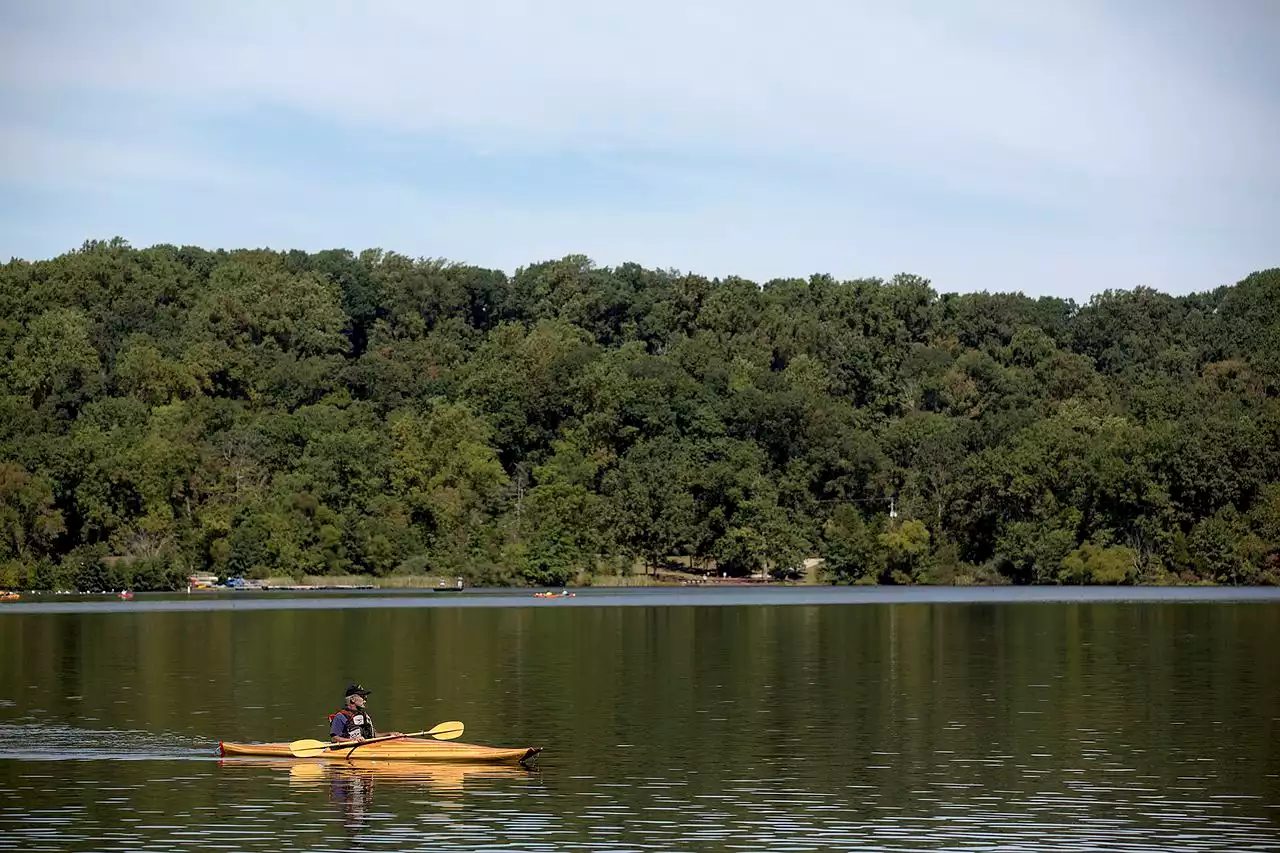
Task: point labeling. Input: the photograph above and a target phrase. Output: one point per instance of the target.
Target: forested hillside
(278, 413)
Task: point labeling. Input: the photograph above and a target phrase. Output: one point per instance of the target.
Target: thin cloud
(1079, 117)
(39, 157)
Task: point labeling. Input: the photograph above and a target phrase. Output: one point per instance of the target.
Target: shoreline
(641, 583)
(754, 595)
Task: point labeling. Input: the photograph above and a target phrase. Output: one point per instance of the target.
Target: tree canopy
(268, 413)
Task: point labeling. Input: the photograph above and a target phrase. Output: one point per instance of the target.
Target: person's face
(356, 700)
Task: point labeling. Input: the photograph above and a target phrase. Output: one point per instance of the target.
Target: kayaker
(352, 722)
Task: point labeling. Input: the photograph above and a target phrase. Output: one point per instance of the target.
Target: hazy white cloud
(38, 157)
(1143, 144)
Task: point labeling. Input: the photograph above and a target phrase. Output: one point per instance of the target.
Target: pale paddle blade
(308, 748)
(447, 731)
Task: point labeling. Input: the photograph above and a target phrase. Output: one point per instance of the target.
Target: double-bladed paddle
(313, 748)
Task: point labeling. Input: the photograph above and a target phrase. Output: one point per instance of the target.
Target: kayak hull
(403, 749)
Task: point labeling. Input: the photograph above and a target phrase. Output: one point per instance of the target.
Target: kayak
(403, 749)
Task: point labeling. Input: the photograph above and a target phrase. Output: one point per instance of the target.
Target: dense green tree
(649, 504)
(268, 413)
(906, 551)
(1093, 564)
(29, 520)
(852, 549)
(447, 473)
(54, 360)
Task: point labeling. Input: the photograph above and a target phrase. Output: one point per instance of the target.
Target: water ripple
(268, 806)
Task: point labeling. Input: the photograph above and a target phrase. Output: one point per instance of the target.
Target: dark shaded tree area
(283, 413)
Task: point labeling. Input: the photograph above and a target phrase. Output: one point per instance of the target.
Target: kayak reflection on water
(350, 785)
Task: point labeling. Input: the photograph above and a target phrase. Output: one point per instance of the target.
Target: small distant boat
(126, 594)
(6, 595)
(562, 594)
(242, 584)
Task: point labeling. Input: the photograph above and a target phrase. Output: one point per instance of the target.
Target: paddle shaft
(304, 748)
(337, 747)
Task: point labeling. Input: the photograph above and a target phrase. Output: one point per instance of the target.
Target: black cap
(356, 689)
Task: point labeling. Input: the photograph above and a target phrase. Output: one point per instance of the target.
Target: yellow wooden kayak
(404, 749)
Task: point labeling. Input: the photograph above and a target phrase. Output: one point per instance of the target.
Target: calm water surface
(667, 725)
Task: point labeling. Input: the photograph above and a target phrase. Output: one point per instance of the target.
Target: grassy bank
(387, 582)
(432, 581)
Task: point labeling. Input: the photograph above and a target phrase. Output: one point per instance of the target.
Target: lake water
(760, 719)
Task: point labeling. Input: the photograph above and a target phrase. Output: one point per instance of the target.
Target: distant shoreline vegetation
(173, 410)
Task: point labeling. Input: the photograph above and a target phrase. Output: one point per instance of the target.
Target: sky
(1060, 147)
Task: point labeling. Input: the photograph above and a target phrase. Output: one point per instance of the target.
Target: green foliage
(1094, 564)
(550, 561)
(169, 410)
(852, 551)
(29, 519)
(54, 360)
(906, 550)
(650, 507)
(448, 475)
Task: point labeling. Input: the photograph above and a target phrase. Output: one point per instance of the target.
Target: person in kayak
(352, 722)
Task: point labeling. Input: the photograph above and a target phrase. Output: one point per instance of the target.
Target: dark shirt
(349, 727)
